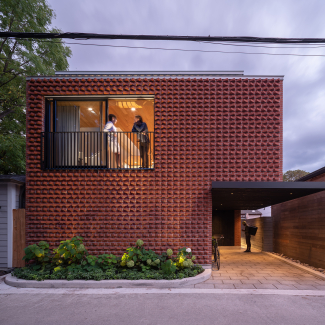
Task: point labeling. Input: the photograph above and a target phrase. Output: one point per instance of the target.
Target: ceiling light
(232, 193)
(90, 109)
(290, 193)
(132, 108)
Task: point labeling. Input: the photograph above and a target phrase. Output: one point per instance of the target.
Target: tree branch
(5, 113)
(4, 83)
(9, 29)
(10, 56)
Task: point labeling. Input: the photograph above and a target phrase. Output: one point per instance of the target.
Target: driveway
(258, 270)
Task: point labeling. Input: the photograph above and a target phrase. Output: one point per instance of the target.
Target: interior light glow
(132, 108)
(90, 109)
(290, 193)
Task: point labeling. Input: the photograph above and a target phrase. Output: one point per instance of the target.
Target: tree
(292, 175)
(20, 58)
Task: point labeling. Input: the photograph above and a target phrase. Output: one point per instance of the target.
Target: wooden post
(18, 238)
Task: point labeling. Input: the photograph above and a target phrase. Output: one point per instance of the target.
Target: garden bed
(71, 262)
(108, 284)
(28, 273)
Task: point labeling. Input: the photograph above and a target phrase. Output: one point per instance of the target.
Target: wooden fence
(18, 238)
(264, 237)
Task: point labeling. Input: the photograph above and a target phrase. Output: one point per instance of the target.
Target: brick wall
(205, 130)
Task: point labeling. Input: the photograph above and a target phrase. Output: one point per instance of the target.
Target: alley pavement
(257, 270)
(283, 294)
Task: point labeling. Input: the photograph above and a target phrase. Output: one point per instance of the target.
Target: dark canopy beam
(257, 195)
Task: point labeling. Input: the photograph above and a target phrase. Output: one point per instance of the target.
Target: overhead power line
(191, 50)
(241, 39)
(179, 49)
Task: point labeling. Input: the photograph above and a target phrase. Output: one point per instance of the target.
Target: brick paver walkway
(258, 270)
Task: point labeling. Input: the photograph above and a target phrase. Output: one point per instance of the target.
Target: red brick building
(204, 127)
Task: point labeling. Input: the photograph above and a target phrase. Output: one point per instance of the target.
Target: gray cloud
(304, 94)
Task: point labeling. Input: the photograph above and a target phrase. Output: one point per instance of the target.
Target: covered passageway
(229, 198)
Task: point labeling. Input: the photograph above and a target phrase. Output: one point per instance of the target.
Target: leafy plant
(90, 263)
(168, 267)
(39, 254)
(139, 257)
(70, 251)
(107, 261)
(184, 258)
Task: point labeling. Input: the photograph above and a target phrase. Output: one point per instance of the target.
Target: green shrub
(184, 258)
(140, 257)
(70, 251)
(38, 255)
(168, 267)
(107, 261)
(90, 263)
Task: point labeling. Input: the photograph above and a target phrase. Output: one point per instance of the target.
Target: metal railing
(99, 150)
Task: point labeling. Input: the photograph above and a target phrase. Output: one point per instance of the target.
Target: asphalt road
(57, 309)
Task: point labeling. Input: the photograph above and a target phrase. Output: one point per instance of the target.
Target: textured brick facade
(206, 129)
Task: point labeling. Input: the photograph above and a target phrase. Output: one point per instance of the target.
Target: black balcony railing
(84, 150)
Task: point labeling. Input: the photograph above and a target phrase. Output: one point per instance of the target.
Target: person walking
(113, 140)
(141, 129)
(248, 237)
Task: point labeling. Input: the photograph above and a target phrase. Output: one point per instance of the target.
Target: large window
(76, 136)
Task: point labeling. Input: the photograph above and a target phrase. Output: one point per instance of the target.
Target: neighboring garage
(12, 197)
(299, 225)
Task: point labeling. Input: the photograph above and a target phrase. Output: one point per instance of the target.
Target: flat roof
(17, 179)
(257, 195)
(156, 74)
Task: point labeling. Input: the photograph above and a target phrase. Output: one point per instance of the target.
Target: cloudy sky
(304, 82)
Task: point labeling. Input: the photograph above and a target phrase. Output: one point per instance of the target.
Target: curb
(112, 284)
(299, 266)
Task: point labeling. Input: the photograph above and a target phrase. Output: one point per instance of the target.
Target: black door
(223, 224)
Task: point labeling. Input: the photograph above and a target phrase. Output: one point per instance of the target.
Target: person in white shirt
(113, 138)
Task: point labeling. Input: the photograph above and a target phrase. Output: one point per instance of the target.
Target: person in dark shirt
(141, 129)
(248, 237)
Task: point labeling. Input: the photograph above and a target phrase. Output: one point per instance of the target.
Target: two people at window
(140, 128)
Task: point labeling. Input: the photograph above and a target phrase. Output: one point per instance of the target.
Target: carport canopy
(257, 195)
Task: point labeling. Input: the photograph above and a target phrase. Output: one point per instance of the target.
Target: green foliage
(184, 258)
(107, 261)
(168, 267)
(12, 154)
(293, 175)
(70, 251)
(38, 255)
(20, 58)
(71, 261)
(99, 274)
(139, 257)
